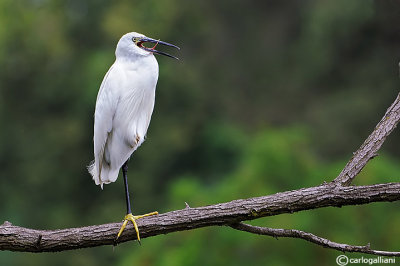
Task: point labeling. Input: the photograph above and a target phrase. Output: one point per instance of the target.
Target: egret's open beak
(141, 41)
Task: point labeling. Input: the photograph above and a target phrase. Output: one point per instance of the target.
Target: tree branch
(335, 194)
(23, 239)
(371, 145)
(311, 238)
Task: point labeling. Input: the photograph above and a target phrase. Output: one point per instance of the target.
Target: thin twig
(293, 233)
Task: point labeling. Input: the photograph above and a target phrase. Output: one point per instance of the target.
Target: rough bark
(335, 194)
(23, 239)
(369, 149)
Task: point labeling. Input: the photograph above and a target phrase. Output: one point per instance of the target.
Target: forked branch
(335, 194)
(23, 239)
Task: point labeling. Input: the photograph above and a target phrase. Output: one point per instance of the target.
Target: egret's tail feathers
(107, 175)
(93, 172)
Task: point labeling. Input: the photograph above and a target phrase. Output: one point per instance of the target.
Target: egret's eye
(137, 41)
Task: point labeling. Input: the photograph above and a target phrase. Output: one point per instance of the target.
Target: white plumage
(123, 108)
(123, 111)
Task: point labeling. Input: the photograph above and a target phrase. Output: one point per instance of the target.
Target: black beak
(157, 42)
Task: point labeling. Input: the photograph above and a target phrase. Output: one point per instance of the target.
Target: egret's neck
(125, 52)
(143, 68)
(138, 61)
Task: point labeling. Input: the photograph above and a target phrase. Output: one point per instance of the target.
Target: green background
(268, 96)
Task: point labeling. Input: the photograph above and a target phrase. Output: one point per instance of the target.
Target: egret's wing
(106, 105)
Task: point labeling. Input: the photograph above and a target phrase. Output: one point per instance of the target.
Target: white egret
(123, 111)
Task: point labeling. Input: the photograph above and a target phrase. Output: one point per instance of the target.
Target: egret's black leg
(125, 175)
(129, 216)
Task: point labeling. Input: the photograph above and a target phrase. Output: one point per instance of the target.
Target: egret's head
(134, 44)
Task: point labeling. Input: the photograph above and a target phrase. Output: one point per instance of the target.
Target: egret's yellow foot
(132, 218)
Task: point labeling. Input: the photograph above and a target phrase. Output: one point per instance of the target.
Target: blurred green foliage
(268, 96)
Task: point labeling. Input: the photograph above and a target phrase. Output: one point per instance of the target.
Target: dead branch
(17, 238)
(293, 233)
(369, 149)
(335, 194)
